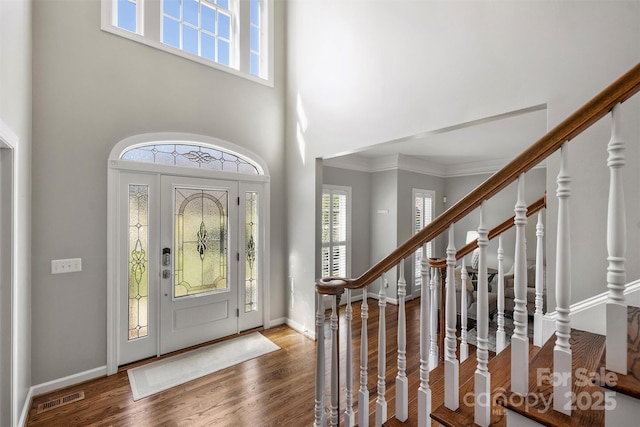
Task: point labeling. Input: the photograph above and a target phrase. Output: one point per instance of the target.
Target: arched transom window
(192, 155)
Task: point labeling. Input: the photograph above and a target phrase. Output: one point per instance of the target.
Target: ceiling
(480, 146)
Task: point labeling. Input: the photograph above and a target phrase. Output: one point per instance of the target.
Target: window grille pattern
(138, 262)
(251, 242)
(127, 15)
(193, 156)
(423, 215)
(334, 233)
(201, 236)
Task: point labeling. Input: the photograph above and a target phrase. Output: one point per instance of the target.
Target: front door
(186, 245)
(199, 277)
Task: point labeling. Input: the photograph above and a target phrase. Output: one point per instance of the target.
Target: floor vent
(60, 401)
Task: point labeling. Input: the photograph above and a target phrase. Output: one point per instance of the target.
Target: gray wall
(15, 112)
(384, 223)
(92, 90)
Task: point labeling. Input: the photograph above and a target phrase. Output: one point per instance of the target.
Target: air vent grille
(60, 401)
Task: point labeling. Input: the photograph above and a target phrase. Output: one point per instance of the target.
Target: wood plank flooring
(276, 389)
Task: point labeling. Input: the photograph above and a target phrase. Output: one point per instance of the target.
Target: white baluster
(538, 315)
(464, 345)
(451, 364)
(482, 378)
(335, 357)
(363, 392)
(519, 340)
(320, 415)
(616, 349)
(424, 392)
(381, 403)
(402, 383)
(349, 416)
(562, 349)
(433, 333)
(501, 339)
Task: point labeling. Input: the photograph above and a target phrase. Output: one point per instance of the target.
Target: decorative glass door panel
(199, 240)
(201, 236)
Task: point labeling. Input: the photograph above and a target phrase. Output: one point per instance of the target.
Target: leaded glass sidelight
(201, 236)
(251, 244)
(138, 262)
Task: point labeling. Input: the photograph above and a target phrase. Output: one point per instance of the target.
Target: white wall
(15, 112)
(389, 69)
(92, 89)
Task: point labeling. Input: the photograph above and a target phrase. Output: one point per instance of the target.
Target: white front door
(199, 277)
(190, 261)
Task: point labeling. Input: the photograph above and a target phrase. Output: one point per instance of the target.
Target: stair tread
(627, 384)
(436, 385)
(587, 350)
(500, 369)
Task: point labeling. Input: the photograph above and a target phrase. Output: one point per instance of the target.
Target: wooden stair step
(587, 351)
(500, 369)
(626, 384)
(436, 384)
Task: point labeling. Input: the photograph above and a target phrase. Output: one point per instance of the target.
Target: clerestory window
(233, 35)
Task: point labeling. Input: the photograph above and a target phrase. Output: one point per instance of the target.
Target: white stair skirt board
(173, 371)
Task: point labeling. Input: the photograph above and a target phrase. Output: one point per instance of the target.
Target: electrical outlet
(69, 265)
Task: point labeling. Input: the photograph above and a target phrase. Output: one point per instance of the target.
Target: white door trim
(115, 165)
(9, 141)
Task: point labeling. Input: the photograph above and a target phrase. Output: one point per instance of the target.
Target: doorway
(188, 254)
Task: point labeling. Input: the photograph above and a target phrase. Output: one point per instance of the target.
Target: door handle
(166, 257)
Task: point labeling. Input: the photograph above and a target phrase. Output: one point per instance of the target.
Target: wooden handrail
(533, 208)
(619, 91)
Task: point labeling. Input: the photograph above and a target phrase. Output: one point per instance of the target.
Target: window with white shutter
(336, 217)
(423, 212)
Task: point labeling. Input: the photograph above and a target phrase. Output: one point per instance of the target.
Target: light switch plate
(69, 265)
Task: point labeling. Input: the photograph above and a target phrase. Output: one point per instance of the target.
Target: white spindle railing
(349, 416)
(616, 343)
(363, 392)
(320, 415)
(435, 303)
(402, 383)
(451, 364)
(501, 341)
(334, 417)
(464, 345)
(424, 392)
(538, 315)
(519, 340)
(381, 402)
(562, 349)
(482, 378)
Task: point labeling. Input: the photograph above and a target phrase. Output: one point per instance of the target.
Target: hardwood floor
(276, 389)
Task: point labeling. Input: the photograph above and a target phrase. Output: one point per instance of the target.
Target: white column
(363, 392)
(349, 416)
(451, 364)
(538, 315)
(402, 383)
(519, 340)
(482, 376)
(501, 339)
(562, 350)
(464, 345)
(433, 326)
(320, 415)
(381, 402)
(616, 347)
(424, 392)
(334, 417)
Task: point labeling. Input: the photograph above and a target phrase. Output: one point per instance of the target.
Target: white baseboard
(57, 384)
(584, 311)
(301, 328)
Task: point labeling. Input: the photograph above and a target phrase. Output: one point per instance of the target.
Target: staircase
(554, 378)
